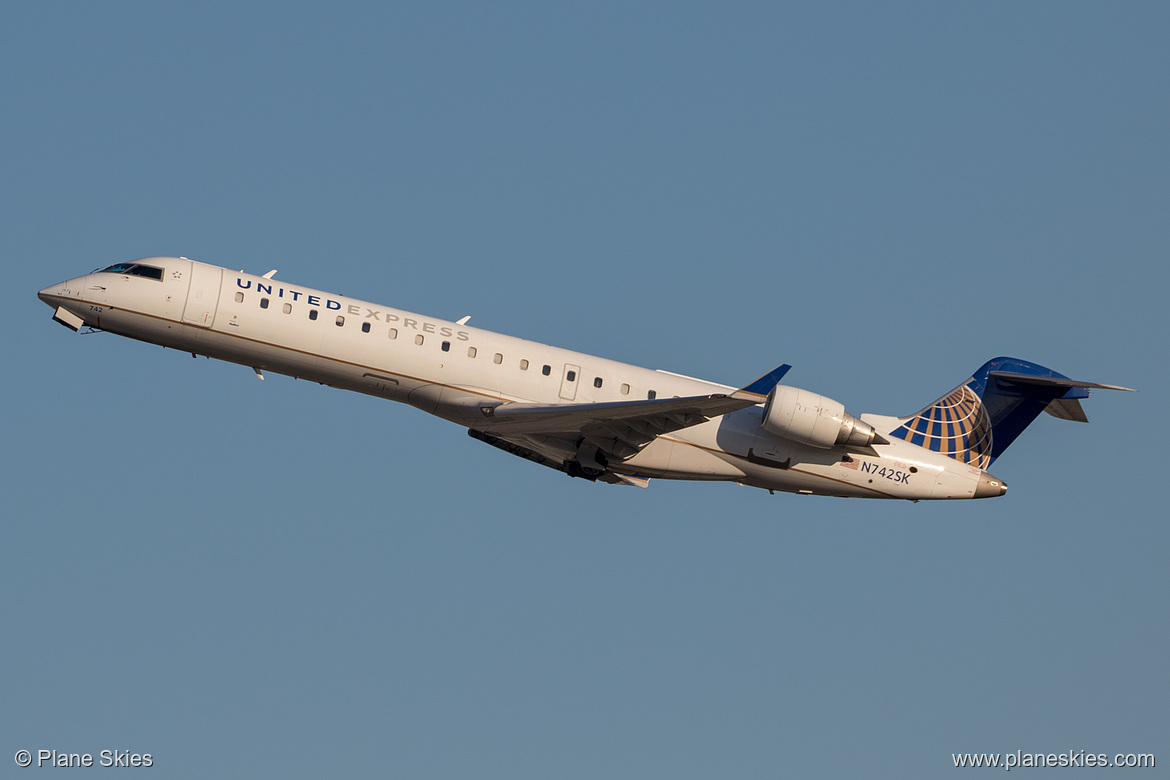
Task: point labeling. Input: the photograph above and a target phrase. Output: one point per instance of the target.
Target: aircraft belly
(776, 463)
(674, 459)
(206, 341)
(133, 325)
(257, 354)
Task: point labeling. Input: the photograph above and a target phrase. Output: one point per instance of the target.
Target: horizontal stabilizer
(1067, 409)
(1053, 381)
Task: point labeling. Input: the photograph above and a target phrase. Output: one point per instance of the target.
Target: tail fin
(975, 422)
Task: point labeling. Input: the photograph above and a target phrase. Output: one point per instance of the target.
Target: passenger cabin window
(445, 346)
(651, 395)
(340, 320)
(287, 308)
(546, 370)
(497, 358)
(239, 297)
(394, 333)
(365, 327)
(418, 339)
(523, 365)
(263, 303)
(312, 314)
(471, 352)
(625, 389)
(134, 269)
(597, 381)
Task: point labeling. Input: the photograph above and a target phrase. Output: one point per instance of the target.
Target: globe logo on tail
(956, 425)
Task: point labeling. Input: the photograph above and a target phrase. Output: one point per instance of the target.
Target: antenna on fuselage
(270, 274)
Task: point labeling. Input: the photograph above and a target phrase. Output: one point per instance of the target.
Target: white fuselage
(451, 369)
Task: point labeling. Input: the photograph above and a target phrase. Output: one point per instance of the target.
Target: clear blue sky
(250, 578)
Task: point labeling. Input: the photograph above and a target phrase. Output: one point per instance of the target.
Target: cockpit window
(134, 269)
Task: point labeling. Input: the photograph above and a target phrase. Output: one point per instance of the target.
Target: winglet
(758, 390)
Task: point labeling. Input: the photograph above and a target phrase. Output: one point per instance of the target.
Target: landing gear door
(202, 295)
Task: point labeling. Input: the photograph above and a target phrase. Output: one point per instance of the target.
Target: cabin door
(202, 295)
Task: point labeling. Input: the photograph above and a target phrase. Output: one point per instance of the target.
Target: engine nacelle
(813, 419)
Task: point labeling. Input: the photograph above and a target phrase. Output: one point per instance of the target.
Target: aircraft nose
(49, 293)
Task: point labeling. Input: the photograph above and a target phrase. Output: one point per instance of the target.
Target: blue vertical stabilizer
(979, 419)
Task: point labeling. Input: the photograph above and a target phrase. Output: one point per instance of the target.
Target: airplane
(589, 417)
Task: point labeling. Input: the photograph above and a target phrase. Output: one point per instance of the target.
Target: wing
(618, 429)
